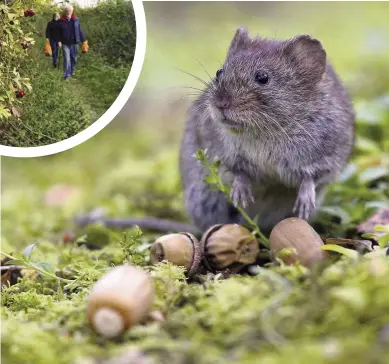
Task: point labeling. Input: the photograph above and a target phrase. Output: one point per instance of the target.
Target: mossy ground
(336, 314)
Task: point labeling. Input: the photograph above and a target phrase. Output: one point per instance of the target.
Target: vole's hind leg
(207, 207)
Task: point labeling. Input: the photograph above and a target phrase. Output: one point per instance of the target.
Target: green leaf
(210, 179)
(370, 236)
(27, 252)
(383, 240)
(15, 262)
(339, 249)
(46, 266)
(4, 113)
(382, 228)
(337, 211)
(367, 145)
(373, 173)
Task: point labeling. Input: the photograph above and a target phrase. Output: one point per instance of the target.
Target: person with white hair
(71, 35)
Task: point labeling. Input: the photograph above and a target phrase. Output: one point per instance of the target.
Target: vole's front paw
(241, 193)
(304, 206)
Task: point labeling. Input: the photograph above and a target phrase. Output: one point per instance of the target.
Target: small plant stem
(263, 239)
(40, 270)
(222, 188)
(7, 255)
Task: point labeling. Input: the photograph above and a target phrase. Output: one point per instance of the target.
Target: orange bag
(85, 47)
(48, 50)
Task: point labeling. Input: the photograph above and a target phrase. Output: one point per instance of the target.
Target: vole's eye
(219, 73)
(262, 77)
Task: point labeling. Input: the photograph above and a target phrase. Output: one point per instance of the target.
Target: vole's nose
(223, 102)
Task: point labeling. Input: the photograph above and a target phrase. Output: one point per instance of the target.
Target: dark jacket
(53, 31)
(70, 30)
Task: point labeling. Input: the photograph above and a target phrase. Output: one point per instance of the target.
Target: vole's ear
(240, 41)
(308, 56)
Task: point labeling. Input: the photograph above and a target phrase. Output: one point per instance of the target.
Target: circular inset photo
(66, 69)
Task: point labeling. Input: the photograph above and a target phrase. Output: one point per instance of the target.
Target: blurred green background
(190, 35)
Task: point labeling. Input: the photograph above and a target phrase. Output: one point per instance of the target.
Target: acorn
(119, 300)
(293, 240)
(182, 249)
(229, 246)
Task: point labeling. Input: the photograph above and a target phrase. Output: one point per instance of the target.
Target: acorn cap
(229, 246)
(299, 241)
(120, 299)
(182, 249)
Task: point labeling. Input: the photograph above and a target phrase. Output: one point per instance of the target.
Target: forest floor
(281, 314)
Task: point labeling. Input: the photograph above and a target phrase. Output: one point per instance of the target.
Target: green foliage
(134, 250)
(50, 113)
(54, 110)
(44, 267)
(110, 30)
(14, 39)
(214, 179)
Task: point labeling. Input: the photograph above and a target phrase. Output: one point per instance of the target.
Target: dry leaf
(15, 111)
(360, 245)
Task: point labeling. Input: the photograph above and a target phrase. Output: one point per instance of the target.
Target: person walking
(71, 35)
(53, 36)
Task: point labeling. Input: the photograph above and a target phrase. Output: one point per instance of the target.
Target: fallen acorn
(120, 299)
(301, 241)
(229, 246)
(182, 249)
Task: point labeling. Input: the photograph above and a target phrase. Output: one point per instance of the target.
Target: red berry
(19, 94)
(29, 12)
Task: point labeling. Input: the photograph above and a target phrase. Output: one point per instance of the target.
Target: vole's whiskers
(205, 83)
(291, 123)
(262, 126)
(178, 98)
(187, 87)
(277, 124)
(205, 70)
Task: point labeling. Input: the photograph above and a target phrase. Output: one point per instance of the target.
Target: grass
(56, 110)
